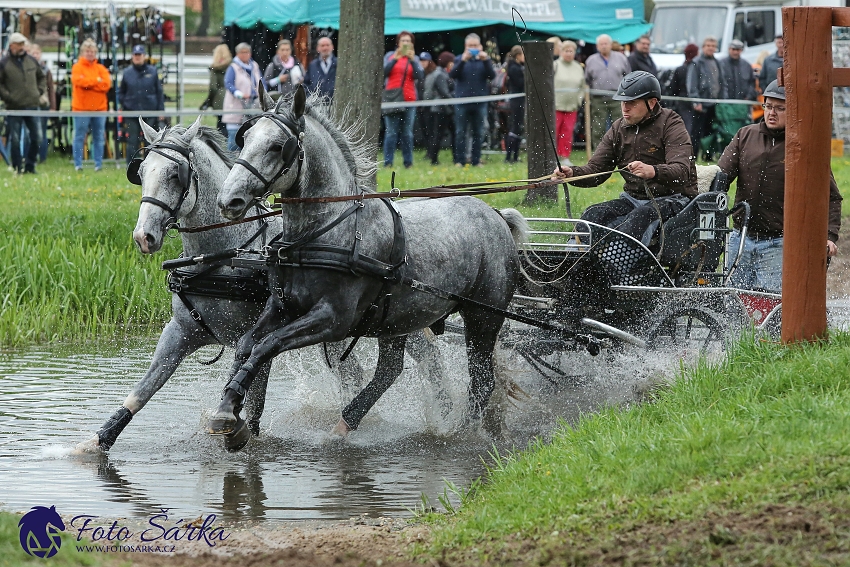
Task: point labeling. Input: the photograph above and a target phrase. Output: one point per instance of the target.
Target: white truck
(676, 23)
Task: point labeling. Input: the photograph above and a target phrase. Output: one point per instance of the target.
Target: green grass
(67, 260)
(694, 478)
(71, 271)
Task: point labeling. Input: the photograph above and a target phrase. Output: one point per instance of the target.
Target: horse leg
(272, 335)
(482, 330)
(424, 350)
(349, 371)
(255, 400)
(175, 343)
(390, 366)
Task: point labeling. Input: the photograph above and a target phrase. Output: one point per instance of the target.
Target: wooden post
(807, 75)
(540, 116)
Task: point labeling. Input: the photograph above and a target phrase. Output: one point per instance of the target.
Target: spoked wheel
(696, 330)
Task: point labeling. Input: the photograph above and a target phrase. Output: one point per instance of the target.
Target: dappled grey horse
(339, 267)
(181, 177)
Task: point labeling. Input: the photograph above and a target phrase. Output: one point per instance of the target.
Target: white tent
(172, 7)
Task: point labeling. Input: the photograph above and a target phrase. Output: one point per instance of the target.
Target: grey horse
(215, 319)
(181, 181)
(338, 269)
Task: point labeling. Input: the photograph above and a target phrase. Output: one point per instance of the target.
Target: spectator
(48, 103)
(471, 72)
(603, 72)
(757, 110)
(284, 73)
(240, 84)
(705, 80)
(22, 87)
(756, 158)
(401, 69)
(640, 60)
(438, 85)
(321, 74)
(679, 87)
(773, 63)
(140, 89)
(91, 82)
(569, 77)
(516, 118)
(739, 83)
(215, 95)
(421, 124)
(556, 46)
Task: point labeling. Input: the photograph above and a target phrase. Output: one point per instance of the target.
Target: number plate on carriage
(706, 224)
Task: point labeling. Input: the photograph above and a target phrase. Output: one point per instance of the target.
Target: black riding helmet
(773, 90)
(638, 85)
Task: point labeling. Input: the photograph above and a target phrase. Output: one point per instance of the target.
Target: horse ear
(266, 102)
(299, 102)
(150, 132)
(192, 130)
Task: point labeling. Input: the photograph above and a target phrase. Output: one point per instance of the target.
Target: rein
(436, 192)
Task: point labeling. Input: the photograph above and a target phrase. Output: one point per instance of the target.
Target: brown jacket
(660, 140)
(756, 157)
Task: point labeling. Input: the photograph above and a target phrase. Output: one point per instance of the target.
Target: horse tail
(517, 224)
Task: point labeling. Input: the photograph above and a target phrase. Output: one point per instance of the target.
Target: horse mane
(210, 136)
(351, 140)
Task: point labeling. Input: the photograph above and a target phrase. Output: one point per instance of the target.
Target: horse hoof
(90, 447)
(239, 438)
(222, 424)
(341, 429)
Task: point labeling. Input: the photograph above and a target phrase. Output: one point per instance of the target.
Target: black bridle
(185, 175)
(291, 151)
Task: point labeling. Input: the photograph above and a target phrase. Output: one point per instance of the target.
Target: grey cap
(773, 90)
(736, 44)
(18, 38)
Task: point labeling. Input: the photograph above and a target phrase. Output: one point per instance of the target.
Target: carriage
(605, 288)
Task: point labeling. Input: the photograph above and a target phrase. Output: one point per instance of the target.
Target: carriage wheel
(695, 330)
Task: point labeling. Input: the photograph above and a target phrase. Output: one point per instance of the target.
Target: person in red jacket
(91, 82)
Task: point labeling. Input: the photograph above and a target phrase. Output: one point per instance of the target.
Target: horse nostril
(149, 238)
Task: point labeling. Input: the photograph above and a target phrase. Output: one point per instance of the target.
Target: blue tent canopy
(621, 19)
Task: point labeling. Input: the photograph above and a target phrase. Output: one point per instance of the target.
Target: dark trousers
(134, 134)
(702, 126)
(472, 115)
(624, 216)
(438, 122)
(33, 124)
(516, 123)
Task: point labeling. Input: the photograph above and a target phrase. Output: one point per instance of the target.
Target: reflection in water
(53, 399)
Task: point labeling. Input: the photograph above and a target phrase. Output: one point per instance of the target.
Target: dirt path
(358, 542)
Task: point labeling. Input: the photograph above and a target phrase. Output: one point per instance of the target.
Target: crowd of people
(26, 84)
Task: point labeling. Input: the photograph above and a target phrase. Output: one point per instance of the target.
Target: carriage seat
(695, 238)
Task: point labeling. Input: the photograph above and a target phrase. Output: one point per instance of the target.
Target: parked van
(676, 23)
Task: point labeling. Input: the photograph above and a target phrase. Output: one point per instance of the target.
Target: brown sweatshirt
(756, 157)
(660, 140)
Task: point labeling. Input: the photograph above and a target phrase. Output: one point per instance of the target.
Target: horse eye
(276, 148)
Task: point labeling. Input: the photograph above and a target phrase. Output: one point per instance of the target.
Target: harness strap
(313, 234)
(201, 323)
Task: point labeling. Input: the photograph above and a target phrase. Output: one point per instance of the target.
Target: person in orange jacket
(91, 82)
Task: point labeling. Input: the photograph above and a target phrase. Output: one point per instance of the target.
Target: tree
(360, 74)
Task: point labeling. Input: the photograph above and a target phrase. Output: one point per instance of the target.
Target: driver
(653, 145)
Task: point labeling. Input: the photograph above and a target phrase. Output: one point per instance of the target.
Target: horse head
(272, 154)
(167, 180)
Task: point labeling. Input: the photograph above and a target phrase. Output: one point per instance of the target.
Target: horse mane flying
(210, 136)
(351, 140)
